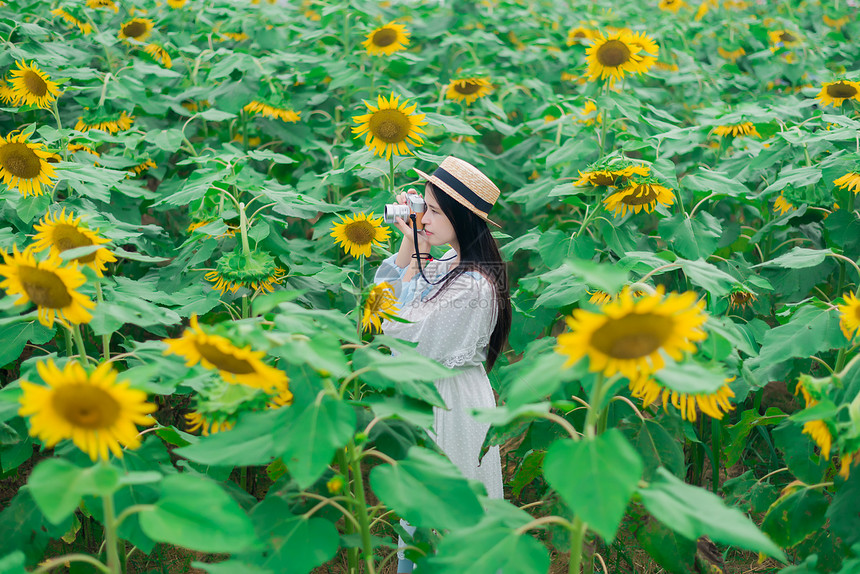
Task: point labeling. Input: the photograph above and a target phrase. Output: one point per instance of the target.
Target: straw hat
(466, 184)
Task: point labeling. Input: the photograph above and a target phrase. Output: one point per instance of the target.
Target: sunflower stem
(106, 337)
(79, 342)
(243, 228)
(111, 541)
(358, 313)
(391, 174)
(49, 565)
(352, 553)
(103, 95)
(593, 413)
(70, 350)
(361, 507)
(577, 536)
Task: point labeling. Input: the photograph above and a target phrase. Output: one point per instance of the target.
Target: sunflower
(835, 22)
(613, 55)
(819, 432)
(589, 115)
(31, 86)
(159, 54)
(176, 4)
(256, 271)
(380, 305)
(235, 36)
(282, 399)
(467, 90)
(48, 284)
(267, 110)
(850, 181)
(387, 39)
(136, 29)
(599, 298)
(390, 126)
(834, 93)
(194, 226)
(736, 130)
(671, 5)
(627, 336)
(649, 50)
(73, 148)
(23, 165)
(610, 175)
(782, 205)
(714, 405)
(783, 38)
(358, 233)
(6, 95)
(846, 462)
(104, 121)
(849, 316)
(142, 167)
(84, 27)
(236, 365)
(95, 411)
(65, 232)
(640, 196)
(206, 424)
(109, 4)
(740, 298)
(704, 8)
(731, 55)
(580, 34)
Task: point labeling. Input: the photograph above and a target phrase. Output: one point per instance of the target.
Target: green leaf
(57, 486)
(798, 258)
(691, 377)
(739, 431)
(795, 177)
(657, 448)
(14, 337)
(427, 490)
(308, 439)
(301, 544)
(716, 182)
(843, 513)
(596, 478)
(269, 155)
(693, 512)
(695, 238)
(668, 549)
(168, 140)
(709, 277)
(214, 115)
(451, 124)
(196, 513)
(799, 453)
(249, 443)
(416, 412)
(13, 563)
(795, 516)
(604, 276)
(231, 567)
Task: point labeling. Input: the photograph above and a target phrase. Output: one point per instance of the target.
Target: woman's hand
(406, 230)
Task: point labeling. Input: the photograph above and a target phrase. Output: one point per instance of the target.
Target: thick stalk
(243, 229)
(577, 536)
(111, 542)
(391, 174)
(358, 309)
(361, 508)
(70, 350)
(593, 413)
(716, 448)
(351, 553)
(79, 342)
(106, 336)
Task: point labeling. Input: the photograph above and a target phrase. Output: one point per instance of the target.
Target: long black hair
(478, 252)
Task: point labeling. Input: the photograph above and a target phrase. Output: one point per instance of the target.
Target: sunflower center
(384, 37)
(67, 236)
(787, 37)
(841, 90)
(86, 406)
(391, 126)
(632, 336)
(603, 179)
(360, 232)
(35, 84)
(223, 361)
(467, 88)
(19, 160)
(134, 29)
(641, 195)
(613, 53)
(44, 288)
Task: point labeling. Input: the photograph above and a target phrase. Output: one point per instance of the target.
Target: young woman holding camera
(459, 307)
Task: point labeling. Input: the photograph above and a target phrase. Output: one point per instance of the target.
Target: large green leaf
(196, 513)
(798, 451)
(694, 512)
(595, 477)
(795, 516)
(427, 490)
(249, 443)
(307, 440)
(739, 431)
(57, 486)
(695, 238)
(668, 549)
(13, 563)
(843, 513)
(657, 447)
(799, 258)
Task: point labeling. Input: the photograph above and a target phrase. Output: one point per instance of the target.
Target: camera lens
(393, 211)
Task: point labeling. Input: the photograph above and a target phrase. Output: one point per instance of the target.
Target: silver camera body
(414, 204)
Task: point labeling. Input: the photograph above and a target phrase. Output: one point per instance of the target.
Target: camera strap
(419, 256)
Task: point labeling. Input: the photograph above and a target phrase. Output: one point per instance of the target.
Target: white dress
(453, 329)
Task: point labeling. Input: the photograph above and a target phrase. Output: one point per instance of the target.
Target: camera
(414, 204)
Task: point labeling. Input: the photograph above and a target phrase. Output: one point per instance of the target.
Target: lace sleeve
(455, 327)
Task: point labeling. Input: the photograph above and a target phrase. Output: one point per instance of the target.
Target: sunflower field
(194, 377)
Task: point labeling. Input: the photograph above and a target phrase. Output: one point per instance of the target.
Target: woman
(459, 308)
